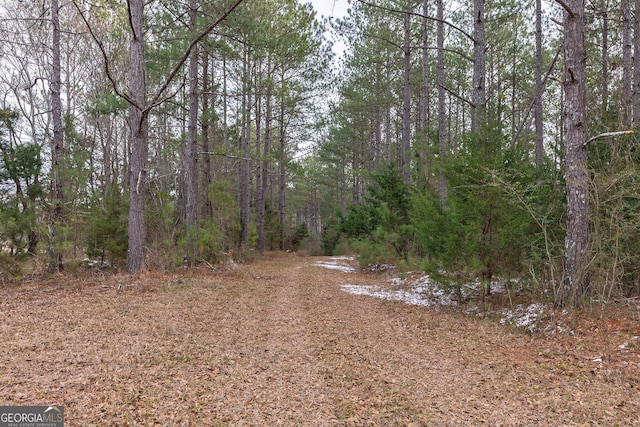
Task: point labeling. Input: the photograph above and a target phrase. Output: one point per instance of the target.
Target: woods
(476, 139)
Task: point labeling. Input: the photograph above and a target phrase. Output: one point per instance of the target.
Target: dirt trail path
(278, 343)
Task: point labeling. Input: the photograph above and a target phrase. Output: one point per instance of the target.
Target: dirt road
(278, 343)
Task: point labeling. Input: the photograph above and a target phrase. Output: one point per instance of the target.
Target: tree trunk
(139, 123)
(537, 108)
(57, 166)
(636, 64)
(605, 57)
(424, 93)
(626, 64)
(442, 114)
(206, 126)
(244, 163)
(282, 173)
(479, 66)
(387, 117)
(192, 133)
(405, 153)
(258, 146)
(261, 196)
(192, 144)
(576, 277)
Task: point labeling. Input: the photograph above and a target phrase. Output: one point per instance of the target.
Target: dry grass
(278, 343)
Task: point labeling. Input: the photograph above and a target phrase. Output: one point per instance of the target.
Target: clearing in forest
(280, 342)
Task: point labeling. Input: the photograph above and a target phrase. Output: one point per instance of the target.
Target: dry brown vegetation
(277, 342)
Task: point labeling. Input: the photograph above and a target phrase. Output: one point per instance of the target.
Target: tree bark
(405, 154)
(442, 114)
(627, 94)
(139, 123)
(479, 65)
(537, 107)
(206, 126)
(282, 172)
(57, 166)
(424, 93)
(244, 162)
(258, 146)
(576, 278)
(262, 194)
(605, 57)
(636, 64)
(423, 123)
(192, 133)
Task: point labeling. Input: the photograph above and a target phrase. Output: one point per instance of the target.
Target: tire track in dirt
(282, 384)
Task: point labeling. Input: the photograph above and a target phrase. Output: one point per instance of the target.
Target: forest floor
(280, 342)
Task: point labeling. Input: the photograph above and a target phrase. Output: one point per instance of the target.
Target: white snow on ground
(423, 291)
(417, 296)
(331, 266)
(337, 263)
(526, 317)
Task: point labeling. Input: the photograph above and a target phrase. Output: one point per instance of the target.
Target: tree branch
(192, 46)
(105, 57)
(460, 97)
(565, 6)
(606, 135)
(229, 156)
(547, 76)
(387, 9)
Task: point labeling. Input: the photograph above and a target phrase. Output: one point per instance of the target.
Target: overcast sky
(330, 8)
(333, 9)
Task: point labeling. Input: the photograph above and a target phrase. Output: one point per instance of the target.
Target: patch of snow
(397, 281)
(417, 295)
(342, 258)
(95, 263)
(335, 266)
(524, 317)
(381, 267)
(426, 292)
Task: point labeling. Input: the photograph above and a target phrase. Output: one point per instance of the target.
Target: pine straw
(278, 343)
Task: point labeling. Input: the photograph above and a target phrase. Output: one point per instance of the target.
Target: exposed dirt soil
(278, 343)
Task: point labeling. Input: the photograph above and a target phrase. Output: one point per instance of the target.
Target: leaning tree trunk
(138, 121)
(576, 278)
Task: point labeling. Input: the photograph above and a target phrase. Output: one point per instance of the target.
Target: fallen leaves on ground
(277, 342)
